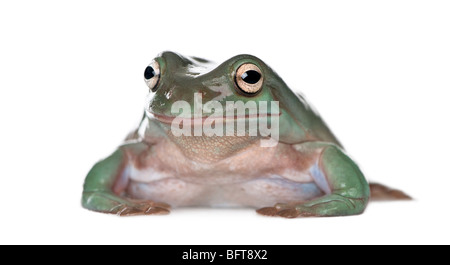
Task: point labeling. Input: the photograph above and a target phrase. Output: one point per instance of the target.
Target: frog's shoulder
(318, 127)
(300, 122)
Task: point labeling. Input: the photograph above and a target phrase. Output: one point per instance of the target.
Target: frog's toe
(289, 213)
(157, 211)
(142, 209)
(151, 204)
(279, 212)
(126, 210)
(268, 211)
(286, 211)
(154, 208)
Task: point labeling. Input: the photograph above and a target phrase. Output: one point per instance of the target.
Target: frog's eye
(151, 75)
(249, 78)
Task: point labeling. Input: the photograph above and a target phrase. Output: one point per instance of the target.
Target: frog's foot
(380, 192)
(107, 202)
(142, 208)
(285, 210)
(290, 210)
(327, 206)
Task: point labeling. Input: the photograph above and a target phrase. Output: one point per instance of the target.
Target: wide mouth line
(194, 120)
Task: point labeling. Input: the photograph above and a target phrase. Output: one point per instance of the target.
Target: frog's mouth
(201, 120)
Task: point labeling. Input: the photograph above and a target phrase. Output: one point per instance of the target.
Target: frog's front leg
(346, 190)
(106, 182)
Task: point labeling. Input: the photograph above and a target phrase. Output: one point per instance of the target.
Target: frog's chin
(201, 120)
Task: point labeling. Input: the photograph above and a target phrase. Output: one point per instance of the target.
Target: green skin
(344, 190)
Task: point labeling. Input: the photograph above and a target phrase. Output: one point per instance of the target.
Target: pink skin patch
(161, 172)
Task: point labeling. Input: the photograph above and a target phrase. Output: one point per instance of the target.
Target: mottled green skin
(299, 123)
(300, 127)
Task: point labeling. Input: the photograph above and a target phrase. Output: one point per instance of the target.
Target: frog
(304, 172)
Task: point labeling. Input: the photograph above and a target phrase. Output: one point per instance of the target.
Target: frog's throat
(211, 149)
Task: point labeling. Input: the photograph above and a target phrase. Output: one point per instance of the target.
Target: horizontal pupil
(149, 72)
(251, 77)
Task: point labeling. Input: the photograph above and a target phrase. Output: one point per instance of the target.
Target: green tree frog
(303, 172)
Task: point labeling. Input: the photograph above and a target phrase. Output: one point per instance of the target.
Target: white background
(71, 87)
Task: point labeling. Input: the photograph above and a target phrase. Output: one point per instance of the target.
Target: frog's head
(243, 78)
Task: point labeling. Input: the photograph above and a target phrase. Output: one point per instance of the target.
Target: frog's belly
(254, 193)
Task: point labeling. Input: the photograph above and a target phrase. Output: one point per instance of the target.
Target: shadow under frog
(306, 174)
